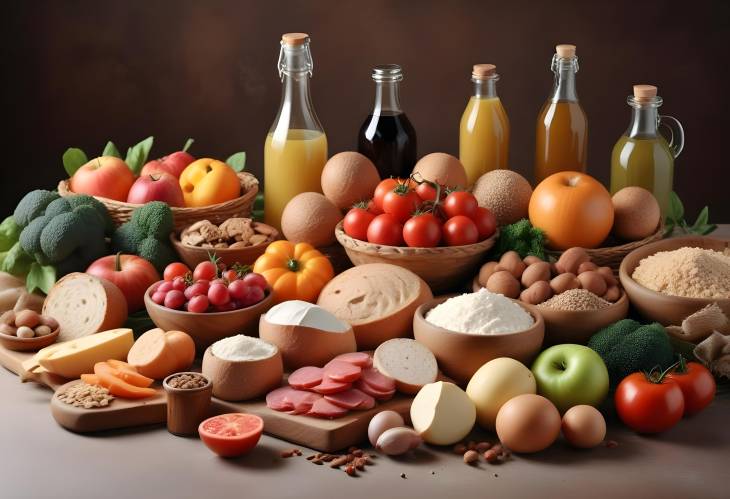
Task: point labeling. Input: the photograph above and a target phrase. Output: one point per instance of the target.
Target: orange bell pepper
(294, 271)
(208, 181)
(133, 378)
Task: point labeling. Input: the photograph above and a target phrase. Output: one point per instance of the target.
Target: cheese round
(377, 299)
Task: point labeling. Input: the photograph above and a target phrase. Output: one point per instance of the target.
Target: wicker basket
(611, 256)
(216, 213)
(444, 268)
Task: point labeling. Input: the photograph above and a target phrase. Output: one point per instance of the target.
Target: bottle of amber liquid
(387, 136)
(561, 139)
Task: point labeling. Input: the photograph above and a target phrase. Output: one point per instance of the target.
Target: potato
(612, 294)
(564, 282)
(586, 266)
(607, 273)
(593, 281)
(511, 261)
(503, 282)
(537, 293)
(28, 318)
(486, 271)
(571, 259)
(530, 259)
(539, 271)
(7, 329)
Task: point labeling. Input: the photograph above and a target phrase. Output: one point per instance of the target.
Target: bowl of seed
(573, 316)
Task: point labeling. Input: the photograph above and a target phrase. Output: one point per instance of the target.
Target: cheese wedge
(71, 359)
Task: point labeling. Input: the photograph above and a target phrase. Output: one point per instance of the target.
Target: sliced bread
(408, 362)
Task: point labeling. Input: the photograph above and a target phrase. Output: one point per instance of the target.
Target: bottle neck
(296, 110)
(387, 97)
(644, 122)
(485, 89)
(564, 86)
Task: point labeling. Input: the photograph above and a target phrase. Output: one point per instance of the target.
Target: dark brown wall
(79, 73)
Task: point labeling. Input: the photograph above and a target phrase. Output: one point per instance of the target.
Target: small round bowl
(236, 380)
(208, 327)
(577, 326)
(460, 355)
(28, 344)
(667, 309)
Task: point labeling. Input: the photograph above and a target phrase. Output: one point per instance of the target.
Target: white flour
(480, 313)
(242, 347)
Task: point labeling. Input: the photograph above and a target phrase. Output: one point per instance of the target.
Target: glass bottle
(642, 156)
(387, 136)
(296, 147)
(484, 130)
(562, 127)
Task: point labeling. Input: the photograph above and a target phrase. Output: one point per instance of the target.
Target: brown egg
(564, 282)
(486, 271)
(571, 259)
(607, 273)
(505, 193)
(636, 213)
(612, 294)
(593, 281)
(586, 266)
(539, 271)
(503, 282)
(310, 218)
(442, 168)
(349, 177)
(530, 259)
(537, 293)
(511, 262)
(528, 423)
(584, 426)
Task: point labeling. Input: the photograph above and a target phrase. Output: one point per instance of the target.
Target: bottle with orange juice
(561, 141)
(295, 150)
(484, 131)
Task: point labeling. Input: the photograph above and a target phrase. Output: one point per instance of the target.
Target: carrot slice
(90, 379)
(130, 377)
(120, 388)
(120, 364)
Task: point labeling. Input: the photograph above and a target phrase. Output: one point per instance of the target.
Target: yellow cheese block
(71, 359)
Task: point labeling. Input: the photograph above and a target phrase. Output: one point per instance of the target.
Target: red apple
(156, 187)
(173, 164)
(105, 176)
(131, 274)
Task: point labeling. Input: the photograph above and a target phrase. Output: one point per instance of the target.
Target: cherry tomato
(486, 223)
(373, 208)
(255, 279)
(176, 269)
(697, 385)
(205, 270)
(198, 304)
(401, 203)
(254, 295)
(159, 297)
(427, 192)
(174, 299)
(179, 283)
(233, 434)
(386, 230)
(460, 203)
(230, 275)
(226, 307)
(460, 230)
(238, 290)
(197, 289)
(649, 404)
(165, 287)
(218, 294)
(422, 231)
(384, 187)
(356, 223)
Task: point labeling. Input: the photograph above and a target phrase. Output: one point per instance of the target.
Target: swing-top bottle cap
(565, 50)
(644, 93)
(483, 71)
(294, 38)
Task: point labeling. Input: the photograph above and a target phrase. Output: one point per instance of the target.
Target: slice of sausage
(306, 377)
(341, 371)
(329, 386)
(302, 401)
(377, 380)
(377, 394)
(352, 399)
(323, 408)
(278, 401)
(360, 359)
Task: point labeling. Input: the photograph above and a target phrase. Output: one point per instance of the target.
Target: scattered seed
(309, 458)
(491, 456)
(336, 463)
(496, 475)
(351, 470)
(611, 444)
(472, 445)
(358, 452)
(433, 472)
(403, 475)
(352, 449)
(471, 457)
(318, 461)
(460, 449)
(483, 447)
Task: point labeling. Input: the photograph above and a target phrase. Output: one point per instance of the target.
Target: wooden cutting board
(325, 435)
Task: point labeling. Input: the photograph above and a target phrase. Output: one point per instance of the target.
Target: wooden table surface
(41, 459)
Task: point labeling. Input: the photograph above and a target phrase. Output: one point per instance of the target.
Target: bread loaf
(410, 363)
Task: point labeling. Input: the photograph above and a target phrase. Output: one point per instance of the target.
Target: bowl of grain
(669, 280)
(466, 331)
(576, 314)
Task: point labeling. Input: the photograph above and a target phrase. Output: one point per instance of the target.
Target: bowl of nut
(27, 330)
(236, 240)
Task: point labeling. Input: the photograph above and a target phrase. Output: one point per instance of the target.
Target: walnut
(239, 229)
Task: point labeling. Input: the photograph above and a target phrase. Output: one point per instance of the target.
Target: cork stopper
(565, 50)
(644, 93)
(483, 71)
(294, 38)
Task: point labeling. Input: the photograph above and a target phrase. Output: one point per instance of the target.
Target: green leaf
(9, 233)
(41, 277)
(73, 159)
(237, 161)
(702, 218)
(188, 143)
(676, 208)
(17, 261)
(137, 155)
(703, 230)
(111, 150)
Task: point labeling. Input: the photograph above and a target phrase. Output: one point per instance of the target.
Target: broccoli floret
(628, 346)
(33, 205)
(58, 206)
(521, 237)
(147, 235)
(154, 219)
(157, 253)
(84, 200)
(63, 235)
(126, 239)
(30, 238)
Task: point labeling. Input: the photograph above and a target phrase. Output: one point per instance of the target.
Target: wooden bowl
(444, 268)
(28, 344)
(193, 255)
(460, 355)
(666, 309)
(577, 326)
(208, 327)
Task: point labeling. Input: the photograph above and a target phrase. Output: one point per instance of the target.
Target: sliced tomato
(232, 434)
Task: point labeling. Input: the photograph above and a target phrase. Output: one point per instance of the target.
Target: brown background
(79, 73)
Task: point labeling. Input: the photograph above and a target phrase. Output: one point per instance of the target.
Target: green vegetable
(73, 159)
(675, 219)
(237, 161)
(16, 261)
(41, 277)
(147, 235)
(9, 234)
(33, 205)
(627, 347)
(137, 155)
(521, 237)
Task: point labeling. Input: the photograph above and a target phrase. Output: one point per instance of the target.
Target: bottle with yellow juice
(484, 130)
(295, 150)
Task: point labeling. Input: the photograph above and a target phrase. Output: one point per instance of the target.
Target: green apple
(570, 375)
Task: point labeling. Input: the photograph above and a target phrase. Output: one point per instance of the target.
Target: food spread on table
(442, 326)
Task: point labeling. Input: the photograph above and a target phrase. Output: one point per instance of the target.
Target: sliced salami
(360, 359)
(329, 386)
(367, 403)
(341, 371)
(323, 408)
(302, 401)
(377, 394)
(377, 380)
(306, 377)
(278, 400)
(352, 399)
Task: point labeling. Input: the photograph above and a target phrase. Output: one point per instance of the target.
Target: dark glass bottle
(387, 136)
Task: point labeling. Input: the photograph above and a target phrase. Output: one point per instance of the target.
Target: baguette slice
(408, 362)
(83, 305)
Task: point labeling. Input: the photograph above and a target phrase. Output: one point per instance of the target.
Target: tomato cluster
(419, 214)
(208, 288)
